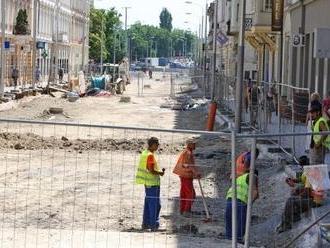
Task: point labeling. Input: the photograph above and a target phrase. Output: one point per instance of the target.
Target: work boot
(186, 214)
(144, 227)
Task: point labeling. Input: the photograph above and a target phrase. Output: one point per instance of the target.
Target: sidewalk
(296, 144)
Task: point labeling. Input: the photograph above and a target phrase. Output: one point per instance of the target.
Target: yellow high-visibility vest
(316, 129)
(242, 189)
(143, 175)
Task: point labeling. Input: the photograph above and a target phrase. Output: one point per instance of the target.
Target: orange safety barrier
(211, 116)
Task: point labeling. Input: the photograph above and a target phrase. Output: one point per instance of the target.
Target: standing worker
(148, 174)
(254, 93)
(61, 74)
(150, 73)
(320, 144)
(185, 168)
(15, 76)
(242, 184)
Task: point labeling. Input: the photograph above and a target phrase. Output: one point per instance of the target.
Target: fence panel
(293, 217)
(69, 185)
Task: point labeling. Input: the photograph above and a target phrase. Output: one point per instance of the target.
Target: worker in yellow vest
(303, 198)
(148, 174)
(242, 187)
(320, 144)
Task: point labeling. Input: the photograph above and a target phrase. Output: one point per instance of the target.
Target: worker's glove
(290, 182)
(163, 172)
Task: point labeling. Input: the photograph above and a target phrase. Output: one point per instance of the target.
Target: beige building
(62, 28)
(228, 25)
(301, 66)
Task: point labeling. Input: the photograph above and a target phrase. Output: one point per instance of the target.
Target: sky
(147, 11)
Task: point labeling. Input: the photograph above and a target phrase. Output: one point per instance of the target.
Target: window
(237, 12)
(267, 6)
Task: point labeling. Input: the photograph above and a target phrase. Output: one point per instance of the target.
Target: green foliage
(151, 41)
(104, 25)
(22, 24)
(165, 20)
(145, 40)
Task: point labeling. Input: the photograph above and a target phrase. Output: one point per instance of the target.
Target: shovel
(208, 218)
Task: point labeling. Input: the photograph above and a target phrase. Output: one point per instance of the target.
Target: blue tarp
(98, 82)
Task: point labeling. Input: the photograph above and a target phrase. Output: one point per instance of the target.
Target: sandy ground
(60, 183)
(66, 186)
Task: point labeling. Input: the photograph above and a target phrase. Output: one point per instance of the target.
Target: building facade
(228, 31)
(302, 66)
(304, 22)
(62, 30)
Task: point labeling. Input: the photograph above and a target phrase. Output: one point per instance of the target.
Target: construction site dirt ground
(71, 186)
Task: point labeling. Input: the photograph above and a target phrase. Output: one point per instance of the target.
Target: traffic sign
(248, 24)
(41, 45)
(6, 44)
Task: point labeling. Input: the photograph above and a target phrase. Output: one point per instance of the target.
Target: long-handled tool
(208, 218)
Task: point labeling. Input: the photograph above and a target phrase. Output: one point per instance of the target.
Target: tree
(165, 20)
(104, 26)
(22, 24)
(149, 41)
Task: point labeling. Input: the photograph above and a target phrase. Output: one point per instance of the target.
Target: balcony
(62, 37)
(261, 16)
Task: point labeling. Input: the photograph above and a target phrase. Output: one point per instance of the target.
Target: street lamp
(204, 41)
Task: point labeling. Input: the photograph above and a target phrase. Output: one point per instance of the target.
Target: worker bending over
(186, 169)
(242, 186)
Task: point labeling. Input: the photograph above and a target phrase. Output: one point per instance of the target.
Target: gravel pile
(30, 141)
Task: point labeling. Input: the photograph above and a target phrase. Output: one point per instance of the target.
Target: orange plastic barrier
(211, 116)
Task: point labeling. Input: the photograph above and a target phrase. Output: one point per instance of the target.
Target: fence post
(172, 95)
(250, 200)
(233, 185)
(279, 92)
(293, 127)
(138, 77)
(142, 83)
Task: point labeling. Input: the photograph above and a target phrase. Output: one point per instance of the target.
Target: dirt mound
(30, 141)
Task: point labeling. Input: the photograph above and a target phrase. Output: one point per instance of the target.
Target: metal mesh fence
(69, 185)
(171, 82)
(277, 108)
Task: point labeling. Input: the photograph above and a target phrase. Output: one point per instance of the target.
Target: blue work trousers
(151, 207)
(241, 219)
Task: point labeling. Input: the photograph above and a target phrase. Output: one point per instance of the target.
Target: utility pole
(205, 46)
(102, 38)
(34, 46)
(85, 28)
(55, 62)
(114, 53)
(3, 32)
(215, 31)
(126, 34)
(240, 70)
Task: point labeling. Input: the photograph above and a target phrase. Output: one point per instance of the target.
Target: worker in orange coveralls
(185, 168)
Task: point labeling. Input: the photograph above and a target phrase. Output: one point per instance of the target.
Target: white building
(64, 21)
(62, 26)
